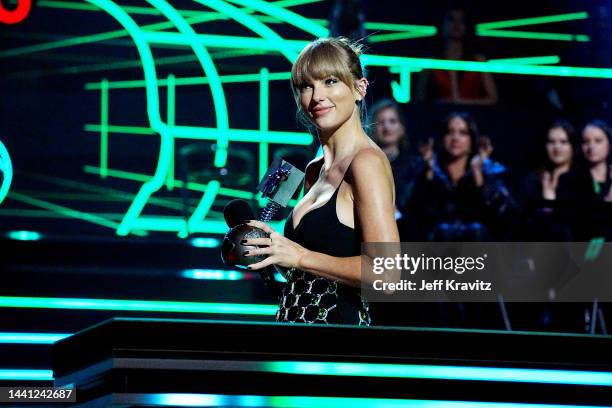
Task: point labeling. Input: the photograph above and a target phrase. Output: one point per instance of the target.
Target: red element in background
(17, 15)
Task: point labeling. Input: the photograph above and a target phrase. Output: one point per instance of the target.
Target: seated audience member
(457, 87)
(597, 156)
(460, 194)
(388, 130)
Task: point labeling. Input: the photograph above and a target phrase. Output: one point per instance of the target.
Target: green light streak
(496, 68)
(26, 375)
(401, 89)
(138, 305)
(264, 107)
(170, 116)
(378, 38)
(24, 235)
(205, 133)
(440, 372)
(286, 16)
(160, 202)
(126, 175)
(290, 47)
(31, 338)
(227, 79)
(86, 39)
(540, 60)
(375, 26)
(7, 172)
(153, 113)
(533, 36)
(103, 128)
(533, 21)
(69, 212)
(216, 89)
(295, 401)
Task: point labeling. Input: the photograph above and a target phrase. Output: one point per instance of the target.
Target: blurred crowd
(450, 187)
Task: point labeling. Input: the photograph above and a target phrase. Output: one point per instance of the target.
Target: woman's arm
(372, 185)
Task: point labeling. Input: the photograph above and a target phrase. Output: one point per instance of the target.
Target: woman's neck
(343, 141)
(599, 171)
(453, 49)
(559, 170)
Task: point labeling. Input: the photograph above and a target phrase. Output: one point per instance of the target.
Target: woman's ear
(362, 88)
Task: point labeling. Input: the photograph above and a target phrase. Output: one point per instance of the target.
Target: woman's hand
(280, 250)
(426, 150)
(485, 149)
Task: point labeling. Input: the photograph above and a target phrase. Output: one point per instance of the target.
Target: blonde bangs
(320, 60)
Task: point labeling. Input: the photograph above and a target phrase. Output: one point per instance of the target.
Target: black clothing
(307, 298)
(441, 211)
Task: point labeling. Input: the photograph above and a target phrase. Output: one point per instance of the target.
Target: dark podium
(160, 362)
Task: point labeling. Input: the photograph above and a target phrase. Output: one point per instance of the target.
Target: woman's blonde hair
(324, 57)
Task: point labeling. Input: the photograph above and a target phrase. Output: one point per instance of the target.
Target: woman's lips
(321, 112)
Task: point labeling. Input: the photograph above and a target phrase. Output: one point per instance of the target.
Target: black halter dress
(307, 298)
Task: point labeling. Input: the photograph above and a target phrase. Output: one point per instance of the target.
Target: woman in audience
(460, 195)
(388, 130)
(556, 176)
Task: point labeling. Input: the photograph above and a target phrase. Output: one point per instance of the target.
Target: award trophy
(278, 186)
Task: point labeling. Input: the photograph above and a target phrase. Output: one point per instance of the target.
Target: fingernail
(246, 252)
(243, 241)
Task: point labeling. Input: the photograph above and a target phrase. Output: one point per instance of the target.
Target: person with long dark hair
(349, 194)
(460, 195)
(553, 178)
(596, 149)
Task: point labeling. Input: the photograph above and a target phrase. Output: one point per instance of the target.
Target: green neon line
(264, 107)
(153, 113)
(138, 305)
(103, 127)
(378, 38)
(66, 5)
(541, 60)
(200, 18)
(533, 21)
(101, 67)
(226, 41)
(126, 175)
(284, 15)
(198, 216)
(497, 68)
(238, 78)
(94, 219)
(440, 372)
(160, 202)
(533, 36)
(170, 109)
(218, 95)
(400, 27)
(6, 168)
(203, 133)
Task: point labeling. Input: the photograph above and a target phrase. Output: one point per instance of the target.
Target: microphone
(237, 212)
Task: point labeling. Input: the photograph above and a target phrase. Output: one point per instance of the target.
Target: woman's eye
(304, 87)
(330, 81)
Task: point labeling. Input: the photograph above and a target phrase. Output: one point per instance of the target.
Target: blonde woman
(349, 194)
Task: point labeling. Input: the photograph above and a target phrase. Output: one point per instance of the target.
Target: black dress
(307, 298)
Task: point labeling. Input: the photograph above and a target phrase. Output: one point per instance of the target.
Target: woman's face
(389, 130)
(327, 102)
(595, 145)
(558, 147)
(455, 26)
(457, 141)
